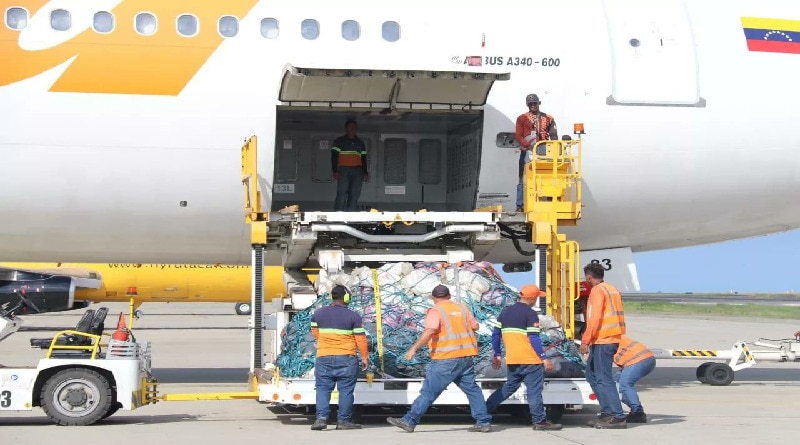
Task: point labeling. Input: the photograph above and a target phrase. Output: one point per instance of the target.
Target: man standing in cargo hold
(605, 326)
(532, 126)
(349, 163)
(339, 333)
(450, 329)
(518, 328)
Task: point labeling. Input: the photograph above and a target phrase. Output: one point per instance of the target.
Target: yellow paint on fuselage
(209, 283)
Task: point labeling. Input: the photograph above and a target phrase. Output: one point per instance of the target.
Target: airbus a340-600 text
(507, 61)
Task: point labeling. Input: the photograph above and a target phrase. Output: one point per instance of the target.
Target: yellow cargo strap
(378, 317)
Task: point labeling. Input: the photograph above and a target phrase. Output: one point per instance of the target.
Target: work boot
(319, 424)
(637, 417)
(480, 428)
(546, 425)
(347, 426)
(602, 417)
(612, 423)
(400, 423)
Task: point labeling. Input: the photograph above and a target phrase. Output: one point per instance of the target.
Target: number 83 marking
(606, 263)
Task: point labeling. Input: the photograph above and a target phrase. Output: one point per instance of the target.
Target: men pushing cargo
(518, 328)
(340, 335)
(450, 329)
(605, 326)
(636, 361)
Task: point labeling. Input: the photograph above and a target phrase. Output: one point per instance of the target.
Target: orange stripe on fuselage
(123, 62)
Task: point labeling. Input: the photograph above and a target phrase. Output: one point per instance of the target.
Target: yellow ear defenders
(346, 297)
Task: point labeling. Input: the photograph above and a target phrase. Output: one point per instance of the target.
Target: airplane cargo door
(422, 130)
(463, 155)
(653, 58)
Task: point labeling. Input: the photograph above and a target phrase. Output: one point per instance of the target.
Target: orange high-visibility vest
(631, 352)
(455, 338)
(613, 322)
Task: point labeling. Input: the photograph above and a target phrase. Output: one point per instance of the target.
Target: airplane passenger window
(351, 30)
(391, 31)
(16, 18)
(60, 20)
(228, 26)
(310, 29)
(146, 23)
(187, 25)
(103, 22)
(270, 29)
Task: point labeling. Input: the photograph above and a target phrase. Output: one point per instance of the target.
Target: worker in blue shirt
(518, 328)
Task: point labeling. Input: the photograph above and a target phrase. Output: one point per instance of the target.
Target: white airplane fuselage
(108, 155)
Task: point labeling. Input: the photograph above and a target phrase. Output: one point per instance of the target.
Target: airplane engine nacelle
(47, 293)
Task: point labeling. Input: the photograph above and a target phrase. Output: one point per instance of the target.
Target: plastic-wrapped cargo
(404, 297)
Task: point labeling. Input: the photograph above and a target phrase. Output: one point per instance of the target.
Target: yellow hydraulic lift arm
(552, 198)
(254, 214)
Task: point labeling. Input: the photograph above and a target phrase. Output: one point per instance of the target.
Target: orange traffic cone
(121, 333)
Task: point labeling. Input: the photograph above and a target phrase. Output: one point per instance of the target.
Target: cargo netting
(404, 298)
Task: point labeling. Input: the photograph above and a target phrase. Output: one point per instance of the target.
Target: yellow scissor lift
(552, 198)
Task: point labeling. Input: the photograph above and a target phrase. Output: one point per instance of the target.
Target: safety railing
(93, 348)
(563, 306)
(553, 182)
(252, 193)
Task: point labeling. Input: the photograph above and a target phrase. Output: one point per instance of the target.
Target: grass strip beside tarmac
(722, 310)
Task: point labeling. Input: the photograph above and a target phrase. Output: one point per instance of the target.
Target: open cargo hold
(422, 130)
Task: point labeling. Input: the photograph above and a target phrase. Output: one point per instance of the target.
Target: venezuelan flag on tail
(772, 35)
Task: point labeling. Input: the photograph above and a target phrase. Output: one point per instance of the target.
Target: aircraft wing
(46, 289)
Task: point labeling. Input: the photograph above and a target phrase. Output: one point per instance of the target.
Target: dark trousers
(340, 371)
(533, 377)
(441, 373)
(348, 190)
(627, 380)
(599, 374)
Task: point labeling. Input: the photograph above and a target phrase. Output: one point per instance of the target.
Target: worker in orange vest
(450, 329)
(636, 361)
(517, 327)
(605, 326)
(340, 336)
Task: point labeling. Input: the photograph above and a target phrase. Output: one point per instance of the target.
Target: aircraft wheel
(76, 396)
(243, 308)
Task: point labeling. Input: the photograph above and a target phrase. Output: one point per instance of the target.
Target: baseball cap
(440, 291)
(531, 99)
(531, 291)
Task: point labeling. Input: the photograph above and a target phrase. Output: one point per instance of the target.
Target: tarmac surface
(204, 347)
(732, 299)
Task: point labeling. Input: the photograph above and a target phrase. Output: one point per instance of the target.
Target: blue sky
(760, 264)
